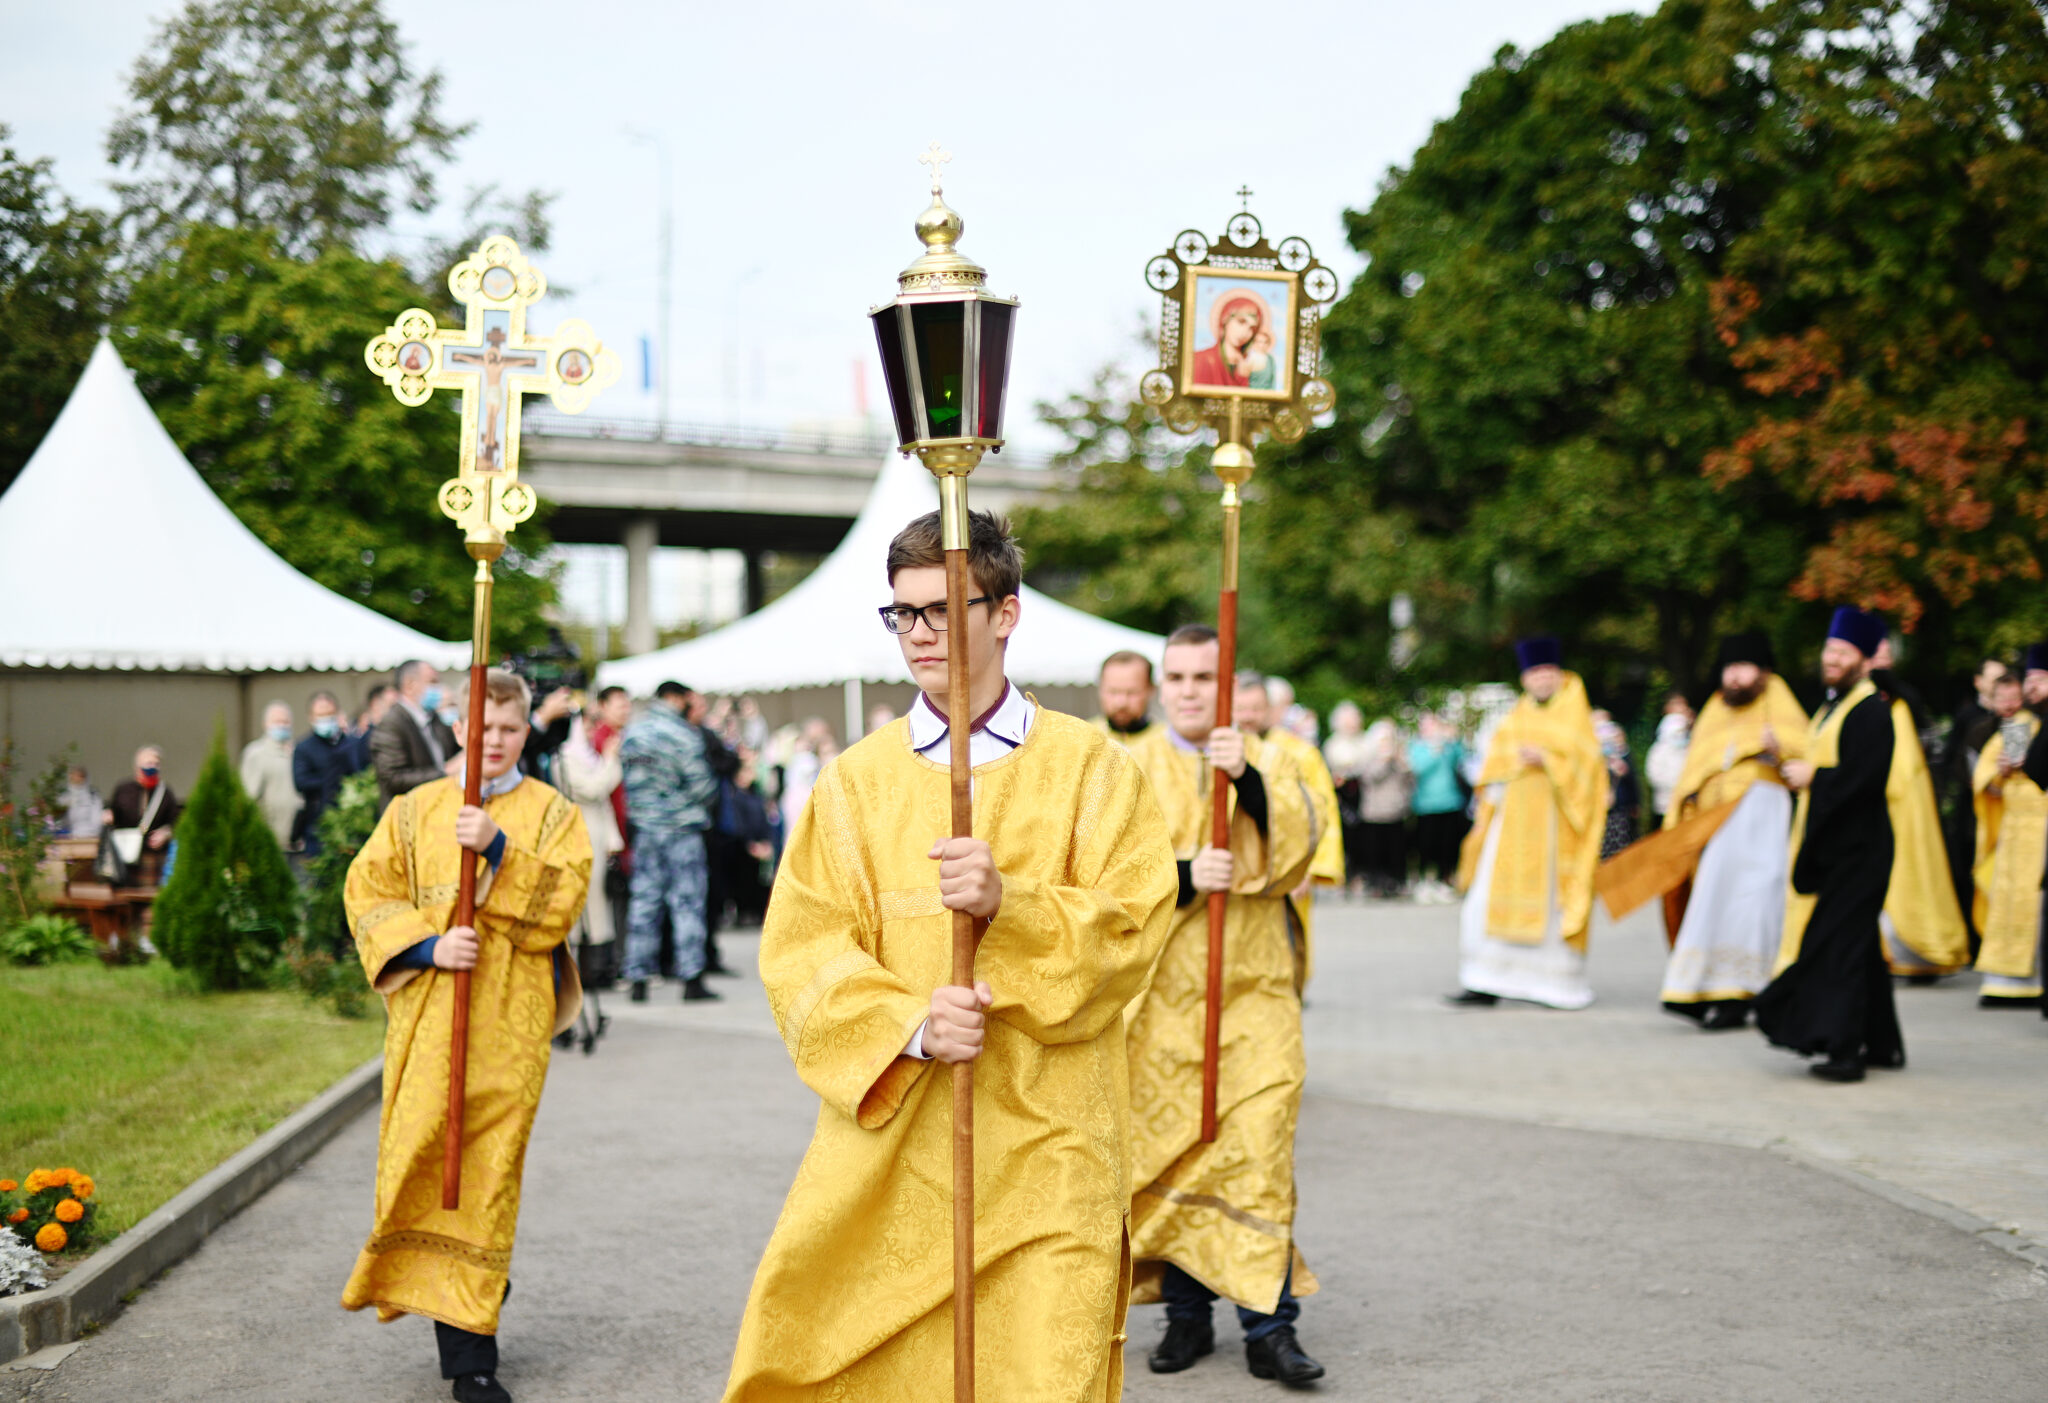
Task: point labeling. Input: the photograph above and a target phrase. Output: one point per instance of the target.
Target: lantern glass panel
(939, 329)
(889, 339)
(997, 322)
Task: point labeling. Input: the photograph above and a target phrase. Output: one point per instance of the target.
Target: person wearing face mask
(413, 745)
(324, 757)
(146, 801)
(267, 773)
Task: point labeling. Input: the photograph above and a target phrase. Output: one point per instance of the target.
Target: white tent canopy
(824, 632)
(115, 555)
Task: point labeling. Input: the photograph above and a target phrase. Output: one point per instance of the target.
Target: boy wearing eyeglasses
(1072, 877)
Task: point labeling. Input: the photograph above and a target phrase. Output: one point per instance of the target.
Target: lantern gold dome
(941, 265)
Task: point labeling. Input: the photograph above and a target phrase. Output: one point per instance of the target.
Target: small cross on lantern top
(1244, 194)
(494, 362)
(936, 157)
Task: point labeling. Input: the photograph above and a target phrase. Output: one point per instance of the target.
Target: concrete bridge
(639, 484)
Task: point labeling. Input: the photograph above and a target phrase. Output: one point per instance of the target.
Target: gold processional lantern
(945, 346)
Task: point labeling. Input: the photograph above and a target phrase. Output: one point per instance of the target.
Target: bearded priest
(1529, 862)
(453, 1265)
(1072, 876)
(1832, 993)
(1727, 941)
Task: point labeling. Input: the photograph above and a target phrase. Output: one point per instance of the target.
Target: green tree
(230, 903)
(253, 359)
(53, 302)
(302, 116)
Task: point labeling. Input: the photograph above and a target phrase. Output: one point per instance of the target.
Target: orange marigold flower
(8, 1186)
(82, 1186)
(70, 1211)
(19, 1215)
(52, 1238)
(34, 1183)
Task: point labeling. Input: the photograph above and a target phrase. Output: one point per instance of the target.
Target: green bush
(231, 903)
(323, 960)
(45, 939)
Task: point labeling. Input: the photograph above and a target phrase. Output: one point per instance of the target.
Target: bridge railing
(828, 442)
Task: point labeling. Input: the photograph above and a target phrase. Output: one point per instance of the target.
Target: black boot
(1185, 1342)
(1838, 1069)
(639, 991)
(1725, 1017)
(1471, 998)
(480, 1388)
(696, 990)
(1280, 1356)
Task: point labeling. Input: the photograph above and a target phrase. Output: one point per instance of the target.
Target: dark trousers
(1386, 854)
(465, 1352)
(1188, 1300)
(1437, 838)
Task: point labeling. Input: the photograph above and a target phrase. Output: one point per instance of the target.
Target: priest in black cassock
(1833, 994)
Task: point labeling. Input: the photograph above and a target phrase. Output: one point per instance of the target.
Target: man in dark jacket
(324, 757)
(1834, 996)
(412, 745)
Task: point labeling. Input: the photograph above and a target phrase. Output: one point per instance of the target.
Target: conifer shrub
(231, 903)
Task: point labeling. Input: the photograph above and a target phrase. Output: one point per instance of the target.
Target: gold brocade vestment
(1224, 1212)
(1721, 760)
(1921, 900)
(1569, 787)
(1326, 866)
(421, 1259)
(2012, 840)
(853, 1298)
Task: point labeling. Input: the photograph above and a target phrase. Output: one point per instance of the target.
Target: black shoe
(1921, 981)
(1723, 1018)
(639, 993)
(1471, 998)
(695, 991)
(1893, 1061)
(2000, 1001)
(1185, 1342)
(480, 1388)
(718, 968)
(1838, 1069)
(1280, 1356)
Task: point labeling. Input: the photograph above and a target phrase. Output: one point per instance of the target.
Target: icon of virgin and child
(1242, 347)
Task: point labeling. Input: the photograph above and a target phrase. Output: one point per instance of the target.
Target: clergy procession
(1386, 839)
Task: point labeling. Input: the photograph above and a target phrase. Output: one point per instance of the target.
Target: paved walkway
(1502, 1252)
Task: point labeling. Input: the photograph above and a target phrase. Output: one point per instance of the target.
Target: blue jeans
(1188, 1300)
(668, 871)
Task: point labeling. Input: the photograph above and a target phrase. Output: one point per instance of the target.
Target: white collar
(503, 784)
(1009, 723)
(1181, 742)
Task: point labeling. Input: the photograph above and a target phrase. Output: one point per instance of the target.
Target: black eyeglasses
(900, 618)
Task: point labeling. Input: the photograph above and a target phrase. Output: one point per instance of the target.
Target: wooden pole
(1219, 812)
(465, 890)
(953, 524)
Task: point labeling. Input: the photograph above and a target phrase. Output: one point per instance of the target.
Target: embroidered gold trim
(908, 903)
(1235, 1214)
(377, 915)
(435, 1244)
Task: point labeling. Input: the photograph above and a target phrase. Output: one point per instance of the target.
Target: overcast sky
(1085, 135)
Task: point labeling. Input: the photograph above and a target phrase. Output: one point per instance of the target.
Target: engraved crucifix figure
(493, 362)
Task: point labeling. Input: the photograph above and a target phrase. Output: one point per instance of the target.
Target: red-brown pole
(959, 723)
(465, 889)
(1233, 463)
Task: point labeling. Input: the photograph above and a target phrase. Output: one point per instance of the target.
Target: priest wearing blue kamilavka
(1832, 993)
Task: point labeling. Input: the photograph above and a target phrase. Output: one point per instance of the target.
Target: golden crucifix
(494, 362)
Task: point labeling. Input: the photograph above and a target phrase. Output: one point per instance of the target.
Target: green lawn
(122, 1075)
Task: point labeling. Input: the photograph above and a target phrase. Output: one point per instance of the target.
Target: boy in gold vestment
(1217, 1219)
(1072, 872)
(451, 1265)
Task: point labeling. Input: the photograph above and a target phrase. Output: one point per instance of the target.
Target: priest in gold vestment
(452, 1265)
(1528, 865)
(1733, 791)
(1218, 1219)
(1254, 712)
(1924, 931)
(1072, 871)
(2012, 846)
(1123, 689)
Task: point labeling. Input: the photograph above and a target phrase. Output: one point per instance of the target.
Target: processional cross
(494, 362)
